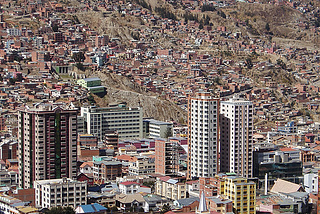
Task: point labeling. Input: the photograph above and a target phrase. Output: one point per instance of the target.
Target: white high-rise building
(236, 130)
(203, 135)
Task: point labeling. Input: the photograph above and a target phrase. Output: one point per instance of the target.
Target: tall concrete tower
(203, 135)
(236, 143)
(47, 143)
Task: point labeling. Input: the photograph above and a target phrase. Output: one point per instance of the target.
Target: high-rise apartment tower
(47, 143)
(203, 135)
(236, 130)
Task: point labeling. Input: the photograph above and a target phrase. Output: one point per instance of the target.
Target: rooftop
(58, 181)
(92, 79)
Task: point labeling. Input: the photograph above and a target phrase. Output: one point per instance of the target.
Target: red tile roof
(128, 183)
(287, 149)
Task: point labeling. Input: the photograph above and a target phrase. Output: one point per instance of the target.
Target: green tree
(281, 64)
(91, 99)
(248, 63)
(149, 184)
(207, 20)
(114, 208)
(165, 208)
(68, 210)
(12, 81)
(55, 28)
(207, 7)
(168, 132)
(80, 66)
(267, 27)
(222, 14)
(78, 56)
(60, 210)
(164, 13)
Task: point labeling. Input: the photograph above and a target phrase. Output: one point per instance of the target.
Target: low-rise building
(170, 188)
(220, 205)
(91, 209)
(283, 163)
(87, 140)
(93, 84)
(154, 202)
(112, 139)
(142, 166)
(11, 205)
(129, 187)
(89, 82)
(106, 170)
(296, 202)
(135, 202)
(60, 192)
(311, 182)
(86, 168)
(157, 129)
(241, 191)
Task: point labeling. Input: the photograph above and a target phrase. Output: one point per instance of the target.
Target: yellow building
(241, 192)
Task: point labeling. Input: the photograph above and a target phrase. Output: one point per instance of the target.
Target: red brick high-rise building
(167, 157)
(47, 143)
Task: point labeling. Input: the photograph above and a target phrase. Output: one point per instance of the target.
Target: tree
(165, 208)
(80, 66)
(135, 35)
(55, 28)
(267, 27)
(222, 14)
(60, 210)
(207, 20)
(168, 133)
(149, 184)
(91, 99)
(207, 7)
(189, 16)
(78, 56)
(68, 210)
(164, 13)
(217, 80)
(114, 208)
(281, 64)
(247, 22)
(249, 63)
(12, 81)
